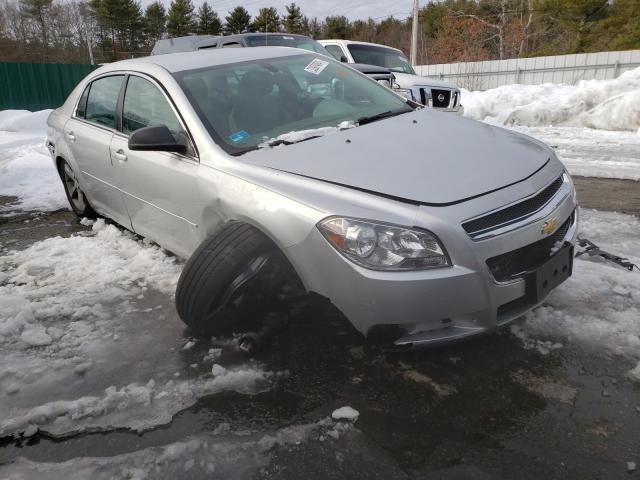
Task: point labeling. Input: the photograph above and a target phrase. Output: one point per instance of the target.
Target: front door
(160, 189)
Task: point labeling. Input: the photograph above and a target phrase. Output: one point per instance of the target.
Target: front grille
(440, 98)
(424, 96)
(516, 263)
(513, 213)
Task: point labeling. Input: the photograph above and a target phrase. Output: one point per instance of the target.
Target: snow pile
(71, 327)
(345, 413)
(602, 104)
(592, 153)
(73, 278)
(221, 454)
(135, 406)
(599, 306)
(24, 121)
(26, 168)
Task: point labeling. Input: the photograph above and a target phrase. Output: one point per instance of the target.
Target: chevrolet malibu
(419, 226)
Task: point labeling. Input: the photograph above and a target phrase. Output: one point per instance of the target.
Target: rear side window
(102, 101)
(335, 51)
(82, 104)
(146, 106)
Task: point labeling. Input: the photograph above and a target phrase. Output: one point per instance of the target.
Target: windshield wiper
(280, 141)
(380, 116)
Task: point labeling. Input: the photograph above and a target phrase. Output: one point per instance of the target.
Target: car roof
(183, 44)
(347, 42)
(177, 62)
(262, 34)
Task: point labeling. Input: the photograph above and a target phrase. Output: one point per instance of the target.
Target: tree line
(450, 30)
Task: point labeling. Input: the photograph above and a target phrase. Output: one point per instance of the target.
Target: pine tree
(120, 23)
(294, 22)
(238, 21)
(155, 19)
(38, 10)
(131, 27)
(180, 20)
(208, 21)
(266, 21)
(337, 26)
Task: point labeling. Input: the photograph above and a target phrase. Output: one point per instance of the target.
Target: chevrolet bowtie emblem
(550, 226)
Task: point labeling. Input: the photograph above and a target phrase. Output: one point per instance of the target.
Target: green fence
(35, 86)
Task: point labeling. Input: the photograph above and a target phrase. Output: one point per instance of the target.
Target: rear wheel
(231, 279)
(75, 195)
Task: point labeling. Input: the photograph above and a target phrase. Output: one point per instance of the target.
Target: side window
(231, 45)
(102, 100)
(82, 103)
(335, 51)
(146, 106)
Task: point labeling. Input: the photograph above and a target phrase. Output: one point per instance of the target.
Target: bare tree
(38, 10)
(498, 27)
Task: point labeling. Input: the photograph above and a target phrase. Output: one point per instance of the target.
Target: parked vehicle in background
(203, 42)
(248, 160)
(424, 90)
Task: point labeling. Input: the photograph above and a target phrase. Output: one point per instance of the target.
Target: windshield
(294, 41)
(246, 104)
(381, 56)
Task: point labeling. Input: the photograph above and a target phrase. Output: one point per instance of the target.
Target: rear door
(88, 134)
(160, 188)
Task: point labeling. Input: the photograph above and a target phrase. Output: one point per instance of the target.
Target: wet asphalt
(484, 409)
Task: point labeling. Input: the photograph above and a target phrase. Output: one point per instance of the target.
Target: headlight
(384, 247)
(406, 93)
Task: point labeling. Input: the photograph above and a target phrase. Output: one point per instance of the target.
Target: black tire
(76, 197)
(205, 298)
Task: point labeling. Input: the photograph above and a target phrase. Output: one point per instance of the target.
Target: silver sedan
(277, 163)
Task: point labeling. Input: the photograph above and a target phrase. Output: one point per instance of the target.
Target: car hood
(423, 156)
(406, 80)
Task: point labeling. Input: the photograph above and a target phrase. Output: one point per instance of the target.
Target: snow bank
(592, 153)
(26, 168)
(603, 104)
(599, 306)
(24, 121)
(27, 172)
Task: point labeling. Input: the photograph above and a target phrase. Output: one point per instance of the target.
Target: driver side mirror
(344, 59)
(157, 138)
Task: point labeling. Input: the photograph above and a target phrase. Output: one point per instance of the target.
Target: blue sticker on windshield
(238, 136)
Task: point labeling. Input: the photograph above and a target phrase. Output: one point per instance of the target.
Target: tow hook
(252, 342)
(591, 249)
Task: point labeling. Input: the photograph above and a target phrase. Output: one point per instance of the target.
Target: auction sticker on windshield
(316, 66)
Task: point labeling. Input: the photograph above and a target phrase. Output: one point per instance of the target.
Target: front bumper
(429, 307)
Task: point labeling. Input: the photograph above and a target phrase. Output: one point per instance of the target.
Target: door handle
(120, 155)
(71, 136)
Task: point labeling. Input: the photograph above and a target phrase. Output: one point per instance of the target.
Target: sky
(352, 9)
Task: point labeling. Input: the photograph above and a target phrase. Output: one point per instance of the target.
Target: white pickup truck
(427, 91)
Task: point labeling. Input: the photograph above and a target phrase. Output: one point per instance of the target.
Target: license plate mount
(550, 274)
